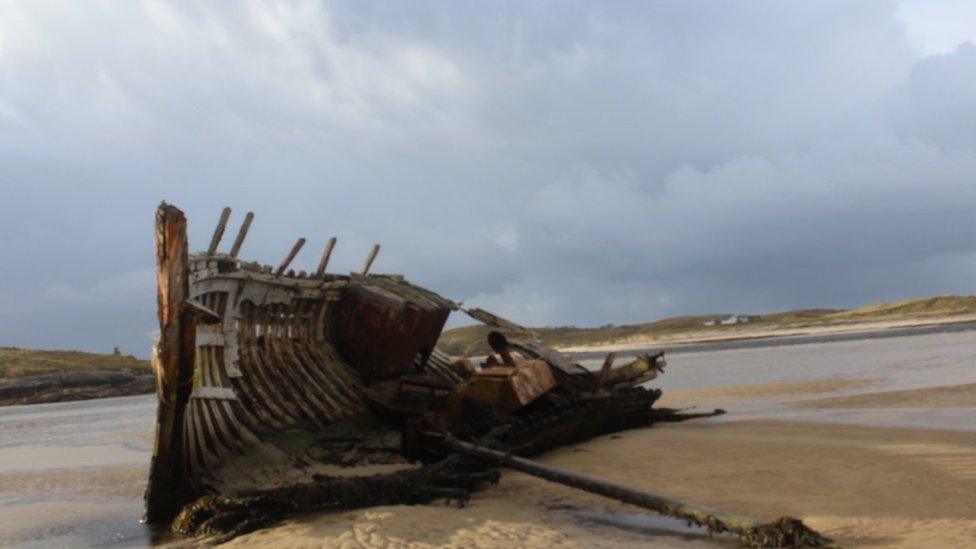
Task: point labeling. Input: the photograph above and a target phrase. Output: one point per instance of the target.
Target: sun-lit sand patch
(952, 396)
(419, 527)
(521, 512)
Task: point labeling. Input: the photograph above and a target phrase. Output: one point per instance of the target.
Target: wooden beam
(236, 248)
(786, 532)
(168, 490)
(370, 259)
(607, 364)
(291, 255)
(219, 231)
(320, 272)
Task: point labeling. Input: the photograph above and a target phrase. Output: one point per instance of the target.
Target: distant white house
(736, 319)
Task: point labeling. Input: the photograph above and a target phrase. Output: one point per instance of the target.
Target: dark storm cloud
(559, 162)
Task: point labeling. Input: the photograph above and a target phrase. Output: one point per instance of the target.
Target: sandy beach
(871, 442)
(864, 480)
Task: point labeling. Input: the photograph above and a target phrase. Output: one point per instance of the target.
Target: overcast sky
(556, 162)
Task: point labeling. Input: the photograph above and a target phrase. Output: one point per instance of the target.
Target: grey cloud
(939, 93)
(558, 161)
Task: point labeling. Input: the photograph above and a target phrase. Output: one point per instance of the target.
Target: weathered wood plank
(167, 489)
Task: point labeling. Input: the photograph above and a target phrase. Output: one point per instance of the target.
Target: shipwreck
(274, 385)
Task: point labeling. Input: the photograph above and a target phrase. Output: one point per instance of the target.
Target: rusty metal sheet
(380, 331)
(509, 388)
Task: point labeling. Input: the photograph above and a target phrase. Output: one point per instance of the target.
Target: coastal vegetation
(17, 362)
(29, 376)
(471, 340)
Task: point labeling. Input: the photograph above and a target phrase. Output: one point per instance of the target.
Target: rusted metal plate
(509, 388)
(380, 332)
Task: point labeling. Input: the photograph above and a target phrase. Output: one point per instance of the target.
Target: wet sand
(952, 396)
(72, 474)
(677, 398)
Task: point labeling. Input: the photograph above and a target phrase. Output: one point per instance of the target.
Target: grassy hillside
(916, 308)
(470, 340)
(16, 362)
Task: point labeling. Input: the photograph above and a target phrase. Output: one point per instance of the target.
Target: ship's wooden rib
(265, 366)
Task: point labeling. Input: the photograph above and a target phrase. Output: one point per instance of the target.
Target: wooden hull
(270, 379)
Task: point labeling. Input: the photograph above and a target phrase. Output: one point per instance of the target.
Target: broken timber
(173, 363)
(269, 379)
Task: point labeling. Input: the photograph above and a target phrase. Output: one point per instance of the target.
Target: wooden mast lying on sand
(785, 532)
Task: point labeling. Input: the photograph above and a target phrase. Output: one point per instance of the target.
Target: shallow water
(72, 474)
(912, 362)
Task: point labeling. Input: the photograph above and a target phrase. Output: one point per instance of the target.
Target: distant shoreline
(74, 385)
(783, 337)
(701, 329)
(84, 385)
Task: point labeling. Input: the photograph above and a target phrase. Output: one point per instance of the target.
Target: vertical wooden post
(168, 489)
